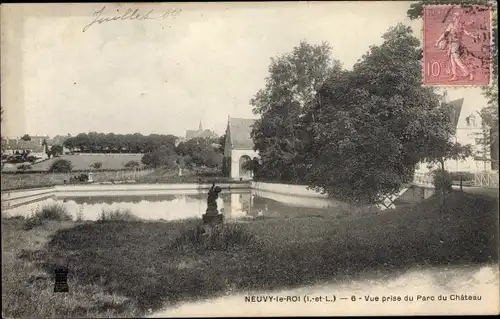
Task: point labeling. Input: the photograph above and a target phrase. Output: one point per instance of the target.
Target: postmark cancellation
(457, 45)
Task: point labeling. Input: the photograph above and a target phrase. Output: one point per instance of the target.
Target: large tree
(370, 127)
(292, 83)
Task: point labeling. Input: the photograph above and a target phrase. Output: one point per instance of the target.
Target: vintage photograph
(242, 159)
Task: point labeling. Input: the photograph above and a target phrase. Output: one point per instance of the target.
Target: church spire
(200, 128)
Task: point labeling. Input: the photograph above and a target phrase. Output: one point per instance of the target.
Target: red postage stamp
(457, 45)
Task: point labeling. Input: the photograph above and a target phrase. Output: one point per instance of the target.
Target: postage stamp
(457, 45)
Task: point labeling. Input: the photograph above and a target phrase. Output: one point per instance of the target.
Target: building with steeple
(200, 133)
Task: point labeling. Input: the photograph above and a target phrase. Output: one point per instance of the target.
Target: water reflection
(168, 206)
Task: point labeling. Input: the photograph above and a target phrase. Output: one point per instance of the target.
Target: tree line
(357, 134)
(119, 143)
(160, 151)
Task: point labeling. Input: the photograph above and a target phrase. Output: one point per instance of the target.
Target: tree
(162, 157)
(294, 78)
(26, 137)
(61, 166)
(199, 152)
(370, 127)
(56, 150)
(96, 165)
(222, 143)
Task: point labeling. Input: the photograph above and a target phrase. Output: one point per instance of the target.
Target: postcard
(242, 159)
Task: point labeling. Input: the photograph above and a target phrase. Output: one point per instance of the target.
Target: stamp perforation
(487, 78)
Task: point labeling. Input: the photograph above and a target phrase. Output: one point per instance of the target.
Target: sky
(193, 62)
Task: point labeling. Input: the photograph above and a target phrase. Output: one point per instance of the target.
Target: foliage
(226, 166)
(132, 164)
(464, 176)
(285, 253)
(162, 157)
(24, 167)
(80, 178)
(56, 150)
(117, 143)
(223, 237)
(32, 159)
(442, 180)
(199, 152)
(293, 80)
(222, 143)
(26, 137)
(54, 212)
(117, 214)
(96, 165)
(371, 126)
(61, 166)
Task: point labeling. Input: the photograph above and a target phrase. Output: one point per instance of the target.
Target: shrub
(24, 167)
(132, 164)
(61, 166)
(96, 165)
(118, 214)
(466, 176)
(442, 180)
(56, 212)
(32, 159)
(80, 178)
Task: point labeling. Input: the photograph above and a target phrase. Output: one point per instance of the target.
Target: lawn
(83, 162)
(128, 268)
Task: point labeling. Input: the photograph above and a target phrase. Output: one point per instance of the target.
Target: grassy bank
(126, 268)
(26, 180)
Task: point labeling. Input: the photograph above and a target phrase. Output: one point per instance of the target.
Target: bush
(96, 165)
(466, 176)
(118, 214)
(80, 178)
(61, 166)
(32, 159)
(24, 167)
(132, 164)
(57, 212)
(442, 180)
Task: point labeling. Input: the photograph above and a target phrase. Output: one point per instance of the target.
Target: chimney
(444, 97)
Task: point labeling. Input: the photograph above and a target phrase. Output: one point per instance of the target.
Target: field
(83, 162)
(130, 268)
(45, 179)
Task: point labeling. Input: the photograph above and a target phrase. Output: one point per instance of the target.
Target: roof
(456, 109)
(58, 139)
(240, 133)
(24, 145)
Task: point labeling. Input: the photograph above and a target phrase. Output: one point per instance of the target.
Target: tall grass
(54, 212)
(221, 237)
(118, 214)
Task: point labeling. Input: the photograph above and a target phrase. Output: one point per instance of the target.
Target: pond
(175, 205)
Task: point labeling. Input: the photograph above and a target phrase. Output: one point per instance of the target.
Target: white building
(238, 148)
(469, 130)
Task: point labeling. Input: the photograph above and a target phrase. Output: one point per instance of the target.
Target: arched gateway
(238, 147)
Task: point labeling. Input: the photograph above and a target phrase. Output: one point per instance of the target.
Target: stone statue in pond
(212, 215)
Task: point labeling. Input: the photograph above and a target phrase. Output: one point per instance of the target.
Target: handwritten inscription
(100, 17)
